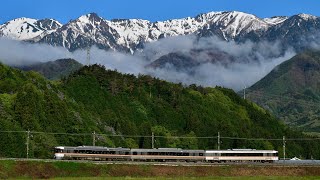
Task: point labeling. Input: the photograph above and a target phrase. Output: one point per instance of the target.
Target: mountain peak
(93, 15)
(89, 18)
(21, 29)
(21, 20)
(307, 16)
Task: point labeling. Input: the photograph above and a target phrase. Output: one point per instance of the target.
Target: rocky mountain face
(131, 34)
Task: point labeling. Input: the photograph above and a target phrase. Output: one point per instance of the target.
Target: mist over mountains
(231, 49)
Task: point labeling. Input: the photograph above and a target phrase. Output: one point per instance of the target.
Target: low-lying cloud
(252, 60)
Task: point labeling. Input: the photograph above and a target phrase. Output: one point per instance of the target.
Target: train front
(58, 152)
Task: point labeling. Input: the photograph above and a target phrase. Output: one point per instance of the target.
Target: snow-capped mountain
(84, 32)
(298, 31)
(27, 28)
(131, 34)
(233, 24)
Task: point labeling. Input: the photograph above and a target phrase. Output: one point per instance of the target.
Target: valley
(227, 80)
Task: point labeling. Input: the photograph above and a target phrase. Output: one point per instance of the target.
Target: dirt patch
(35, 170)
(92, 171)
(202, 171)
(166, 171)
(275, 171)
(3, 173)
(128, 170)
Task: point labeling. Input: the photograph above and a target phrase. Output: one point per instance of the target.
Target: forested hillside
(54, 70)
(121, 108)
(292, 91)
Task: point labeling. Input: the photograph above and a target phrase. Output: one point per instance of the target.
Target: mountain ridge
(130, 34)
(292, 91)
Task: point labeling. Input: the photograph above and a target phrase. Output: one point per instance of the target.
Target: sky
(152, 10)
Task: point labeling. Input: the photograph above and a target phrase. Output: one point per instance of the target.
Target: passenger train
(163, 154)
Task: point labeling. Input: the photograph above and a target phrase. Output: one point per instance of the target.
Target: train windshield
(58, 150)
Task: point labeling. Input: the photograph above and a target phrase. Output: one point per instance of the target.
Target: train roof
(99, 148)
(168, 150)
(241, 151)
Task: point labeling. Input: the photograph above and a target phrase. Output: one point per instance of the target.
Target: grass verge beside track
(75, 170)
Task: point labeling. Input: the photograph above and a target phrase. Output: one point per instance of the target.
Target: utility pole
(94, 138)
(88, 56)
(218, 140)
(244, 92)
(27, 143)
(152, 139)
(284, 148)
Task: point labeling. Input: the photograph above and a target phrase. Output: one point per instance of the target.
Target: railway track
(276, 163)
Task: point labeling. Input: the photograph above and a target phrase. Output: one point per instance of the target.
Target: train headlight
(58, 156)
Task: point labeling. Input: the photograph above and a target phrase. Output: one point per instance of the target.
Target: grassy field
(74, 170)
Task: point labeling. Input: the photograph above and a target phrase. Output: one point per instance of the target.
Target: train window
(135, 153)
(200, 154)
(58, 150)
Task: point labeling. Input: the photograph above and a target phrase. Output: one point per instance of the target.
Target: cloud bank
(252, 60)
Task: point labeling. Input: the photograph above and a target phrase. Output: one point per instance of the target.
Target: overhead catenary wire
(174, 137)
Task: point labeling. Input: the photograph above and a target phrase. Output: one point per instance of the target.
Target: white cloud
(253, 60)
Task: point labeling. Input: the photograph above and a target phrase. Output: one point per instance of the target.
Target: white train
(164, 154)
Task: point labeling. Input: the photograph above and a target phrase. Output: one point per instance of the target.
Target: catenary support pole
(218, 140)
(27, 143)
(94, 138)
(284, 148)
(152, 140)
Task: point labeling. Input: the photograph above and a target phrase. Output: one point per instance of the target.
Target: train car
(239, 155)
(91, 153)
(167, 154)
